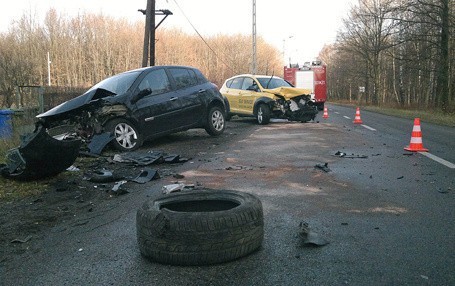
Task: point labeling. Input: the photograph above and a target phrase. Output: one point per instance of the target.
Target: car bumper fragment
(40, 156)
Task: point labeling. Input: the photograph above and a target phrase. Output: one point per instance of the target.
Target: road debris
(177, 187)
(309, 237)
(322, 167)
(352, 156)
(99, 142)
(19, 240)
(39, 156)
(104, 176)
(117, 190)
(146, 175)
(444, 191)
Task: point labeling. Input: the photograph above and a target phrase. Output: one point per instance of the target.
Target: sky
(297, 28)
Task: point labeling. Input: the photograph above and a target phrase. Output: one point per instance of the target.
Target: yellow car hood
(288, 92)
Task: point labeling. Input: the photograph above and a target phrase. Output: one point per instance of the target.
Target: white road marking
(368, 127)
(346, 117)
(336, 112)
(439, 160)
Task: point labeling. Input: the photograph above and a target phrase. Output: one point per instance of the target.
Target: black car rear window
(199, 76)
(183, 78)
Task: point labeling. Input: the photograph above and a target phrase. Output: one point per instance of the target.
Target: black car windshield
(117, 84)
(270, 83)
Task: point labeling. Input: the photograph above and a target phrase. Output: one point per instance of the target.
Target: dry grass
(431, 116)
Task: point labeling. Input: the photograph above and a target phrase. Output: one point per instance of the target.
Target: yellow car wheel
(263, 114)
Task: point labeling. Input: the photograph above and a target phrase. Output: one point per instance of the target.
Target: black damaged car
(129, 108)
(143, 104)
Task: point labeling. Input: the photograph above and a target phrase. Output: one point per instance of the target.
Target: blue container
(6, 128)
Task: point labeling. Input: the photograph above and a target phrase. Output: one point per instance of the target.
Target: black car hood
(76, 103)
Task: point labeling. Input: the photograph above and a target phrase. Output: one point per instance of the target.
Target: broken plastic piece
(340, 154)
(40, 156)
(146, 175)
(141, 159)
(19, 240)
(99, 141)
(172, 158)
(309, 237)
(324, 167)
(116, 187)
(173, 188)
(104, 176)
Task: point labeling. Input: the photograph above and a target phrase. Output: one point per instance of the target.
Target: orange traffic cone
(326, 113)
(357, 119)
(416, 144)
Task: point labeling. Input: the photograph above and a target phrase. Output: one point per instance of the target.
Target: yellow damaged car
(266, 97)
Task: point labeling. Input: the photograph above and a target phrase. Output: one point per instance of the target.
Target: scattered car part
(140, 158)
(324, 167)
(40, 155)
(172, 188)
(172, 158)
(104, 176)
(117, 188)
(146, 175)
(309, 237)
(352, 156)
(99, 141)
(200, 227)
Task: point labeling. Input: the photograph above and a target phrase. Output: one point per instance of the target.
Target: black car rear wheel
(215, 121)
(126, 135)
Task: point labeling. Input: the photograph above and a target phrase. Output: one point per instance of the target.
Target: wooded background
(400, 51)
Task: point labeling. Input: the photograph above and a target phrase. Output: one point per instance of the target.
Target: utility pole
(149, 34)
(254, 64)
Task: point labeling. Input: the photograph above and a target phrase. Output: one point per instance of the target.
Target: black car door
(190, 93)
(157, 109)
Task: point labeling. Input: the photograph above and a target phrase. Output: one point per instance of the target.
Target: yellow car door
(248, 94)
(232, 93)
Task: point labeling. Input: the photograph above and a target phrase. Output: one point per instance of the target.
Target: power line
(202, 38)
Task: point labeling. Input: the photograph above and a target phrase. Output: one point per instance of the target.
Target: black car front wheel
(215, 121)
(126, 135)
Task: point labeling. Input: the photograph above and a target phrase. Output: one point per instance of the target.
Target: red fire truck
(311, 76)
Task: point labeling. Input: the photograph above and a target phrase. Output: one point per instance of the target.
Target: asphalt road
(387, 213)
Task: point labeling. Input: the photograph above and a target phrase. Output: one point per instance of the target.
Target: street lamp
(284, 48)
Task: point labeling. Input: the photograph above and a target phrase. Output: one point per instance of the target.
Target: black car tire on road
(126, 135)
(263, 114)
(200, 227)
(215, 121)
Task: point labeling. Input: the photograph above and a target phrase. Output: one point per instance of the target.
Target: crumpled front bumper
(40, 156)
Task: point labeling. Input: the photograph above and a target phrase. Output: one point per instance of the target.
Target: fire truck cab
(310, 76)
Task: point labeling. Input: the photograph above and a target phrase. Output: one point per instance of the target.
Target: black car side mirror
(140, 94)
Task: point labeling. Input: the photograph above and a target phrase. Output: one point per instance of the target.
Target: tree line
(395, 52)
(388, 52)
(90, 47)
